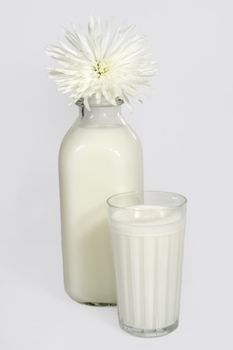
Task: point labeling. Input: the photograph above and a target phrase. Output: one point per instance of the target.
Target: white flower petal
(104, 62)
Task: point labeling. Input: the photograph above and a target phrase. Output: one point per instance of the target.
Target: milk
(99, 156)
(148, 245)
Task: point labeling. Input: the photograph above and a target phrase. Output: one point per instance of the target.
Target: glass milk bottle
(100, 155)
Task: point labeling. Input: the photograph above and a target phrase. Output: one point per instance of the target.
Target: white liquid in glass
(148, 247)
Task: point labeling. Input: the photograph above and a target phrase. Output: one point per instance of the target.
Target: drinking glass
(147, 233)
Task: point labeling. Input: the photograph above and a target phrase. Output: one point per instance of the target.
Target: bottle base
(96, 304)
(90, 303)
(149, 333)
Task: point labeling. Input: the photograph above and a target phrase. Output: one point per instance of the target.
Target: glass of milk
(147, 232)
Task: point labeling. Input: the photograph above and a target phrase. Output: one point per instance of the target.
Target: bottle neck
(100, 116)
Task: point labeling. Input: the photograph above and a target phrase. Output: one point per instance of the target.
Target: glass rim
(122, 194)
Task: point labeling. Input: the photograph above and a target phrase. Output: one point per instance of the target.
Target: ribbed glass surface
(148, 261)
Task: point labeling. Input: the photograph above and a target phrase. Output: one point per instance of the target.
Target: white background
(185, 126)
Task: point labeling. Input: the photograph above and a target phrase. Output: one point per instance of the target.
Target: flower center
(100, 68)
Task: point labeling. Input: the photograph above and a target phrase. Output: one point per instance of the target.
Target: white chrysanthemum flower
(104, 64)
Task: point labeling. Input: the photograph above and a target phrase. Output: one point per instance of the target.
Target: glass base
(148, 333)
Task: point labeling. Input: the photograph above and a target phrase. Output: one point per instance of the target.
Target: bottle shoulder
(99, 136)
(101, 143)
